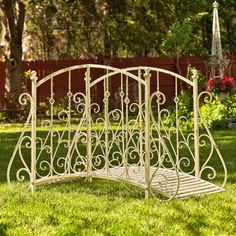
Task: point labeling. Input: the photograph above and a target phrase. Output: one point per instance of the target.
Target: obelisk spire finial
(216, 49)
(215, 4)
(218, 63)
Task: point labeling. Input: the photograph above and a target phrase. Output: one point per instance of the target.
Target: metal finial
(215, 4)
(195, 74)
(33, 76)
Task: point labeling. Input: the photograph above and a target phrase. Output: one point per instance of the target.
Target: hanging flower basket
(222, 88)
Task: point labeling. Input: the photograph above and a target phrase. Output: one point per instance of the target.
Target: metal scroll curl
(207, 139)
(24, 143)
(161, 182)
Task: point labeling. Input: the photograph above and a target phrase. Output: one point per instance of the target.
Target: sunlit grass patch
(105, 207)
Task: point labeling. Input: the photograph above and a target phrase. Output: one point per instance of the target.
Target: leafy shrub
(214, 113)
(185, 104)
(2, 116)
(231, 107)
(185, 109)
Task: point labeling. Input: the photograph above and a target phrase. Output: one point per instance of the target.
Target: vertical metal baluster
(69, 95)
(177, 123)
(88, 117)
(140, 119)
(33, 130)
(106, 119)
(122, 117)
(196, 125)
(158, 117)
(126, 123)
(51, 101)
(147, 76)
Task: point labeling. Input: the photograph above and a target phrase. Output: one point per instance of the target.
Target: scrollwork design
(206, 97)
(61, 162)
(164, 184)
(46, 124)
(134, 107)
(79, 99)
(25, 98)
(185, 164)
(212, 171)
(79, 165)
(116, 159)
(134, 156)
(164, 114)
(63, 115)
(160, 97)
(95, 108)
(21, 176)
(44, 165)
(203, 142)
(27, 145)
(164, 181)
(120, 137)
(163, 151)
(98, 162)
(115, 115)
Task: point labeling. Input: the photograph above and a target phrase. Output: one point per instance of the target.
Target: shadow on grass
(226, 141)
(98, 187)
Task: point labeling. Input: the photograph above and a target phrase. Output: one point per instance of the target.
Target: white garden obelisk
(217, 61)
(216, 49)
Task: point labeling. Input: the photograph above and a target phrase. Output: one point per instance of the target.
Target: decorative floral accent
(225, 84)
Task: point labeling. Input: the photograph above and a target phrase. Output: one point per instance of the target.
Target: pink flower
(232, 81)
(211, 83)
(224, 84)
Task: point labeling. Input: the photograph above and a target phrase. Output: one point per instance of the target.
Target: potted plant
(222, 87)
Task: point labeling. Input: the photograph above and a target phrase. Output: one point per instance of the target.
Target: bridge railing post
(147, 77)
(196, 122)
(88, 120)
(33, 78)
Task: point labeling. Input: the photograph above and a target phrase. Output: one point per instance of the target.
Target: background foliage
(66, 29)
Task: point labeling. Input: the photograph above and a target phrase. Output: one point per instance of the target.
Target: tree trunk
(13, 15)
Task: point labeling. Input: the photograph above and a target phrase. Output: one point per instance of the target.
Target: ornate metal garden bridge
(138, 140)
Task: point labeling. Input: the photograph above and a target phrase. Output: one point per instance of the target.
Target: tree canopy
(72, 29)
(65, 29)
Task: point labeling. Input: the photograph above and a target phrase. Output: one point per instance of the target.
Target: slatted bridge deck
(164, 181)
(168, 182)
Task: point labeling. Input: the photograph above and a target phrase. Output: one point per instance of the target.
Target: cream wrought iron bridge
(119, 136)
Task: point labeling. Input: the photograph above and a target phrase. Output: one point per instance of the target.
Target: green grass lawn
(113, 208)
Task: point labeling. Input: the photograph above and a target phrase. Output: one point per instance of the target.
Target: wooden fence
(44, 68)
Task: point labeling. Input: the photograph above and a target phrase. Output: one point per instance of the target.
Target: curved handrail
(162, 71)
(85, 66)
(125, 71)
